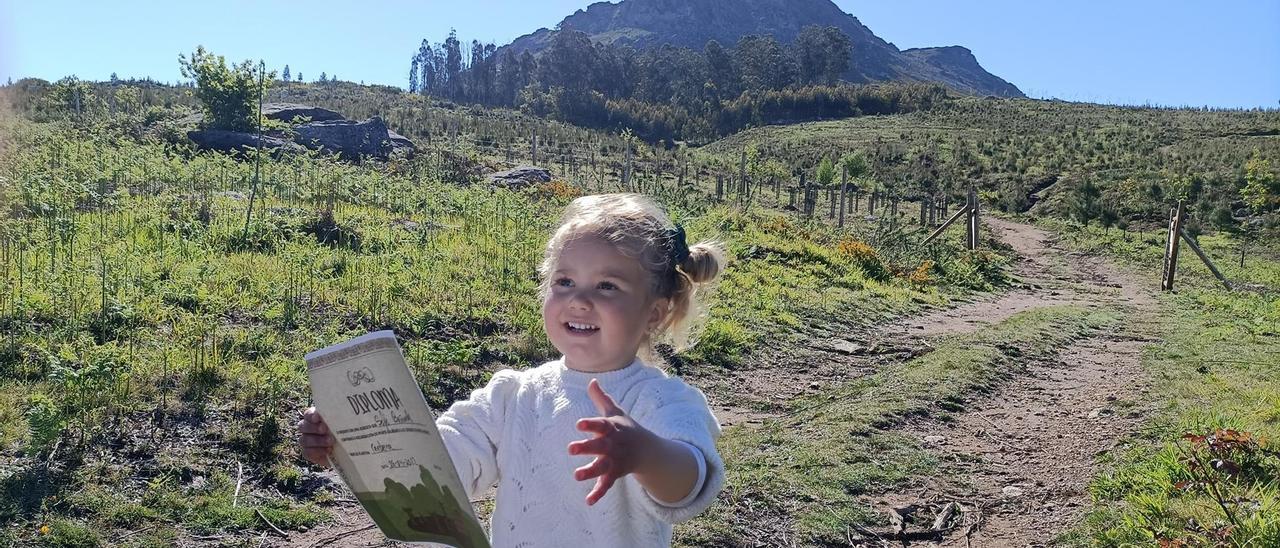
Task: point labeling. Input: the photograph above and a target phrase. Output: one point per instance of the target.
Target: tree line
(666, 93)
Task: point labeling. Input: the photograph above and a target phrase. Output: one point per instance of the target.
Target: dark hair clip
(679, 247)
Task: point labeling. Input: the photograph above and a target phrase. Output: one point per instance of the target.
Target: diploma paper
(388, 450)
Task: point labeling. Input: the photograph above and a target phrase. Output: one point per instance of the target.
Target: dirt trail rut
(1020, 459)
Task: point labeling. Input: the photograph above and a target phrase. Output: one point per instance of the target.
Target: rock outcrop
(520, 177)
(353, 140)
(327, 130)
(287, 112)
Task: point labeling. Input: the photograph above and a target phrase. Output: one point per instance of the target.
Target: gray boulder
(286, 112)
(520, 177)
(400, 143)
(353, 140)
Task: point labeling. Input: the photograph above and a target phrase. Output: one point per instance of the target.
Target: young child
(617, 277)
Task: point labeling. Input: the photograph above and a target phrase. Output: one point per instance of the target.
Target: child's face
(607, 298)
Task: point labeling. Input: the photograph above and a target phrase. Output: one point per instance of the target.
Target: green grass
(801, 476)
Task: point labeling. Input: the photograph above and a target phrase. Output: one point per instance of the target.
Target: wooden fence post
(804, 194)
(533, 147)
(626, 170)
(972, 239)
(1171, 247)
(844, 191)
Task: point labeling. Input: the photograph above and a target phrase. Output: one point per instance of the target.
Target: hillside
(1041, 155)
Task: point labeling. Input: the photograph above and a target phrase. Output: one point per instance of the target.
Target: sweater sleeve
(677, 411)
(472, 428)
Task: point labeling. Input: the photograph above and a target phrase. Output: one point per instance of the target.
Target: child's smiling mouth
(581, 328)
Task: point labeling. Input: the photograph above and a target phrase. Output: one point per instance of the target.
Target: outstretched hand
(620, 444)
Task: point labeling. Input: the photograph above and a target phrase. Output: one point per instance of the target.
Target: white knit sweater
(516, 431)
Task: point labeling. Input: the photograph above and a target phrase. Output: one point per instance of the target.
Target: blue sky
(1224, 53)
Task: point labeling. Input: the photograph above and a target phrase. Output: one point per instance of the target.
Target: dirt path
(1018, 459)
(1021, 457)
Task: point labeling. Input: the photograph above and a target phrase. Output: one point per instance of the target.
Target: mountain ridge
(692, 23)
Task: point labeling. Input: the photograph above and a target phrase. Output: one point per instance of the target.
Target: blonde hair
(641, 230)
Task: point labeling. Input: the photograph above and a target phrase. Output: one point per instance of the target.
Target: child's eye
(607, 286)
(563, 282)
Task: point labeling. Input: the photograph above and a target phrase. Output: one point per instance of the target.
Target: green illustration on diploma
(425, 512)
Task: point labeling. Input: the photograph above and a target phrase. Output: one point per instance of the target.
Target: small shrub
(66, 533)
(262, 236)
(777, 225)
(286, 476)
(979, 270)
(1224, 466)
(864, 256)
(559, 191)
(920, 278)
(45, 421)
(328, 231)
(266, 437)
(118, 320)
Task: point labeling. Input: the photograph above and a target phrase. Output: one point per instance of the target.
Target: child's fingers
(316, 440)
(597, 425)
(602, 486)
(307, 427)
(311, 415)
(604, 402)
(593, 446)
(597, 467)
(316, 448)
